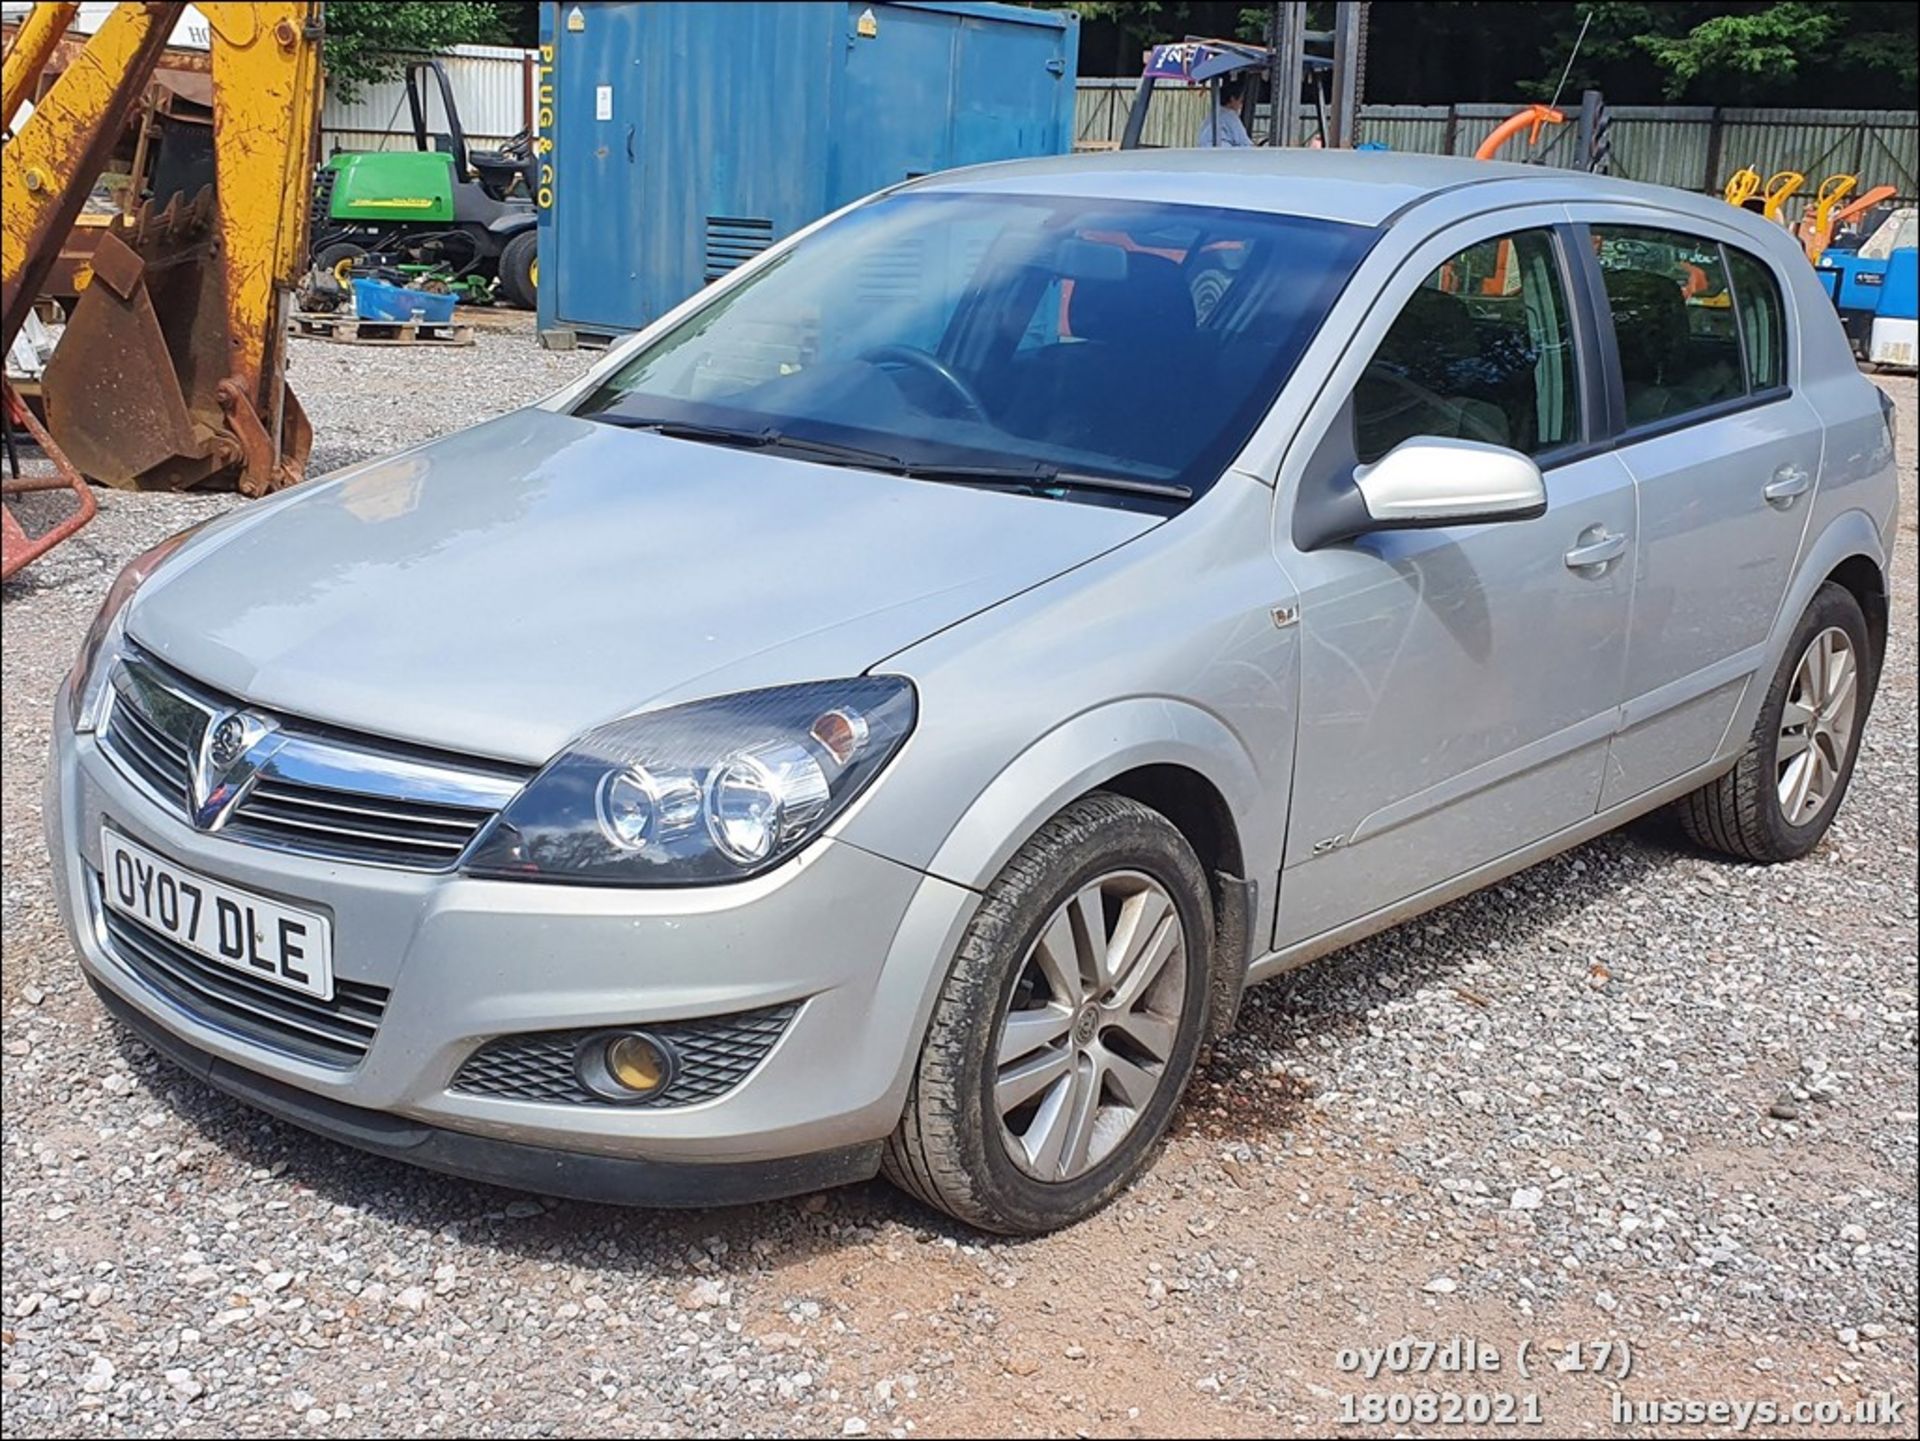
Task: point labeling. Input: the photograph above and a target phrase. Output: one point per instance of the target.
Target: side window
(1672, 320)
(1483, 350)
(1762, 320)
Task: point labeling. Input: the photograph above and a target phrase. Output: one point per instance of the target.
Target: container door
(894, 98)
(731, 137)
(1007, 86)
(598, 186)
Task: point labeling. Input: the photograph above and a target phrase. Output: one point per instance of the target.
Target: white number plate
(267, 940)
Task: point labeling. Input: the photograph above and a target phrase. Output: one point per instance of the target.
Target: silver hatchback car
(883, 715)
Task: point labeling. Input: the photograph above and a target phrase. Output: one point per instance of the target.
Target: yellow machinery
(1831, 209)
(171, 371)
(1825, 213)
(1742, 185)
(1816, 224)
(1781, 187)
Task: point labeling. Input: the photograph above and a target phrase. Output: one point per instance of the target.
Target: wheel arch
(1866, 579)
(1169, 755)
(1849, 552)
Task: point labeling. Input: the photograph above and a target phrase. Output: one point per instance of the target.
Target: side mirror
(1430, 481)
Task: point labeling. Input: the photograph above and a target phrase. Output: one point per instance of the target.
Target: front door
(1459, 686)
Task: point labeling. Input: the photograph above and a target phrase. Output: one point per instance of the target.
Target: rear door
(1724, 456)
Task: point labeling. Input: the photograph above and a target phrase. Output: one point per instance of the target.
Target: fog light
(636, 1063)
(624, 1065)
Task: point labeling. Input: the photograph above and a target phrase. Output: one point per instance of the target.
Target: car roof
(1359, 187)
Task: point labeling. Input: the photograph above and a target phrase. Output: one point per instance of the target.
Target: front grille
(711, 1057)
(320, 793)
(357, 827)
(140, 744)
(334, 1033)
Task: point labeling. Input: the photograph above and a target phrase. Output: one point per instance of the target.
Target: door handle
(629, 145)
(1788, 481)
(1592, 554)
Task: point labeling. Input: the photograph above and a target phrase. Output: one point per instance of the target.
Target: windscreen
(1140, 342)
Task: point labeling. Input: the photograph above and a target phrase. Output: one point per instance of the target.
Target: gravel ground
(1633, 1095)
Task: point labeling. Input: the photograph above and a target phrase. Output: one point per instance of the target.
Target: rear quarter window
(1763, 320)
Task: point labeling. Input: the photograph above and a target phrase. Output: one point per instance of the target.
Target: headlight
(711, 791)
(87, 681)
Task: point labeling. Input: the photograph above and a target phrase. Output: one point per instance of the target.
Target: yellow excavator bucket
(171, 371)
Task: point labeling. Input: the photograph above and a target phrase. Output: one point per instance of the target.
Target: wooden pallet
(345, 330)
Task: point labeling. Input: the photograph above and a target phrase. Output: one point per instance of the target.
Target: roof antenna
(1554, 104)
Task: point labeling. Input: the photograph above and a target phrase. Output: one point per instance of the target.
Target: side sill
(1278, 963)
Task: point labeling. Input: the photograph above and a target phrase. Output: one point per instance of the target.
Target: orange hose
(1532, 120)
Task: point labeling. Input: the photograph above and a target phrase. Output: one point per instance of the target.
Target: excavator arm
(171, 371)
(53, 160)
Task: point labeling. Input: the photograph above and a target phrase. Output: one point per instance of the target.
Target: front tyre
(1782, 794)
(1067, 1028)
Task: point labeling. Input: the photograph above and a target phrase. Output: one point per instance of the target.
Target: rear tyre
(336, 258)
(1782, 794)
(1067, 1028)
(519, 270)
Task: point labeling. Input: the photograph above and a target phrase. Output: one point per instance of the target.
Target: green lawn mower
(465, 216)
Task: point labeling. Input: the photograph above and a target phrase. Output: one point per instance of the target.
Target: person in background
(1222, 125)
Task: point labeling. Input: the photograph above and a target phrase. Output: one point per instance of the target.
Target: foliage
(1849, 53)
(1784, 52)
(1774, 40)
(367, 38)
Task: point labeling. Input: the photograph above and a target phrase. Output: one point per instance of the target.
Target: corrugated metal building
(492, 85)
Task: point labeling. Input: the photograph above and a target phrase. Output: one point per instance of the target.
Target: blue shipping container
(679, 140)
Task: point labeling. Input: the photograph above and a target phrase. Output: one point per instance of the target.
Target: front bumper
(859, 942)
(615, 1180)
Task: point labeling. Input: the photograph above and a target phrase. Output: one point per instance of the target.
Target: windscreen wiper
(1047, 477)
(1034, 479)
(764, 438)
(689, 430)
(1037, 478)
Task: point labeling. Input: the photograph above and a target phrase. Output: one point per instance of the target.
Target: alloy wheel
(1816, 726)
(1091, 1025)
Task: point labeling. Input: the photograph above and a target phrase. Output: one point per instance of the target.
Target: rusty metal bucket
(141, 393)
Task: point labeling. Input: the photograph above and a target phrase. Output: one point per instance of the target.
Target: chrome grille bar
(321, 793)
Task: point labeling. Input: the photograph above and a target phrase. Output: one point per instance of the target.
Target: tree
(367, 39)
(1780, 52)
(1853, 53)
(1775, 42)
